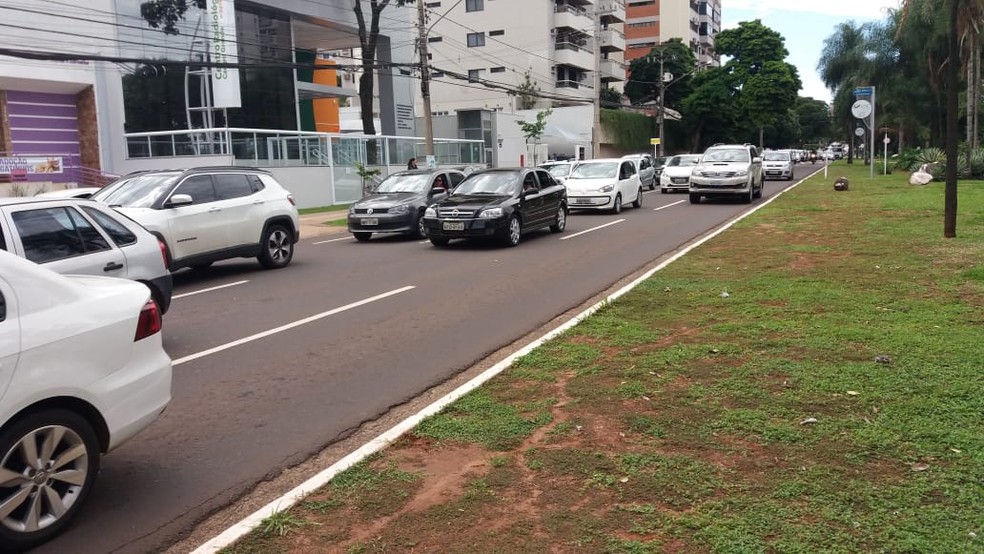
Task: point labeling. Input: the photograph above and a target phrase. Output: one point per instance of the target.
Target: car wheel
(758, 192)
(362, 237)
(663, 190)
(49, 463)
(617, 208)
(514, 232)
(421, 228)
(560, 222)
(276, 247)
(439, 241)
(652, 184)
(694, 198)
(750, 195)
(638, 201)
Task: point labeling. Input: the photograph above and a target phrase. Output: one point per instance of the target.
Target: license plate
(773, 172)
(369, 221)
(582, 200)
(454, 226)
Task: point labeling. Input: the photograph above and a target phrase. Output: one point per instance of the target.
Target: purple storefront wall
(45, 124)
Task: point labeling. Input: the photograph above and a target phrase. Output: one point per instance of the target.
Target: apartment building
(481, 51)
(650, 22)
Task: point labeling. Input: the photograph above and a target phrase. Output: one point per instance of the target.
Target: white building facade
(480, 50)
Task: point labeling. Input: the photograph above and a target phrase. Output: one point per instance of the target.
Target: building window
(497, 70)
(497, 33)
(474, 75)
(474, 5)
(435, 39)
(642, 3)
(476, 39)
(432, 5)
(639, 24)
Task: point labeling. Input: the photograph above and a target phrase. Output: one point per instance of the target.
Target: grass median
(809, 380)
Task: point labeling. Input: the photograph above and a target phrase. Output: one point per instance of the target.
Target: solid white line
(668, 205)
(289, 326)
(423, 241)
(593, 229)
(333, 240)
(241, 528)
(227, 285)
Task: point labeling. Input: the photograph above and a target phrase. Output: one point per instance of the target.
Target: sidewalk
(317, 225)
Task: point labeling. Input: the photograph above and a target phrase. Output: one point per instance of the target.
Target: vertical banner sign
(225, 80)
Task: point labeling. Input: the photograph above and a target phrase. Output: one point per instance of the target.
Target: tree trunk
(975, 138)
(952, 133)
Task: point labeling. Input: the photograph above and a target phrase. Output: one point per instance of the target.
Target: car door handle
(257, 202)
(112, 266)
(214, 210)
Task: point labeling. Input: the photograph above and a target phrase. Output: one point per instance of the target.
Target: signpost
(655, 142)
(864, 109)
(885, 141)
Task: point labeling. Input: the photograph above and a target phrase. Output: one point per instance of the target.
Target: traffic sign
(886, 140)
(859, 131)
(861, 109)
(863, 91)
(655, 141)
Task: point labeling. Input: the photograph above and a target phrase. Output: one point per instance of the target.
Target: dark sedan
(397, 204)
(501, 204)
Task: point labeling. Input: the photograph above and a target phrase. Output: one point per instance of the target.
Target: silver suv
(728, 170)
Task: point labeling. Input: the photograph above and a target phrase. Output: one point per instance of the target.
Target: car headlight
(400, 209)
(351, 209)
(430, 212)
(607, 188)
(741, 173)
(490, 213)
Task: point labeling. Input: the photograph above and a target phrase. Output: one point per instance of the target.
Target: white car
(676, 172)
(559, 170)
(777, 164)
(71, 235)
(78, 192)
(604, 184)
(646, 168)
(82, 370)
(211, 213)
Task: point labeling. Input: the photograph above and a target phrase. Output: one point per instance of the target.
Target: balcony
(611, 11)
(571, 53)
(612, 70)
(611, 40)
(571, 16)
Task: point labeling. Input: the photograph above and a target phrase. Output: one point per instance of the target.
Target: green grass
(322, 209)
(675, 420)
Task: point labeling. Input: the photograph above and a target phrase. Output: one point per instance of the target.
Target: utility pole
(596, 124)
(425, 81)
(662, 101)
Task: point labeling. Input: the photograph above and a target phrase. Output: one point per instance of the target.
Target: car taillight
(290, 198)
(163, 247)
(149, 322)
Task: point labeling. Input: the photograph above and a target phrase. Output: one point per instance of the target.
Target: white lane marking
(252, 521)
(193, 293)
(333, 240)
(593, 229)
(423, 241)
(668, 205)
(289, 326)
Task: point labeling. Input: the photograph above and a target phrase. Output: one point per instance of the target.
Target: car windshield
(683, 161)
(139, 192)
(727, 155)
(595, 170)
(405, 182)
(776, 156)
(559, 170)
(492, 182)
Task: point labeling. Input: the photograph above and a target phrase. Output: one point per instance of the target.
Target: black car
(499, 203)
(397, 204)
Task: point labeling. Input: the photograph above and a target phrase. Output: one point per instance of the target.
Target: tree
(164, 15)
(710, 111)
(769, 94)
(644, 74)
(610, 98)
(528, 91)
(814, 120)
(533, 130)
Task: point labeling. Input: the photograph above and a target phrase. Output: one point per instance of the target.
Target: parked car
(78, 192)
(82, 370)
(559, 170)
(604, 184)
(499, 203)
(676, 173)
(778, 164)
(659, 162)
(71, 235)
(208, 214)
(397, 205)
(646, 168)
(728, 170)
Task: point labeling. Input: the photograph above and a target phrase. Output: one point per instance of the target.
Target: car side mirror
(756, 160)
(179, 200)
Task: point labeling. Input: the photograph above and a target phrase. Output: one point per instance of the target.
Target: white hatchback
(82, 370)
(604, 184)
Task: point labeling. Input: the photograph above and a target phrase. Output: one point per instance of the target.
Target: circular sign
(861, 109)
(886, 140)
(859, 132)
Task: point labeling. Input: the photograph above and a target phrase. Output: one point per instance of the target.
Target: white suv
(208, 214)
(733, 170)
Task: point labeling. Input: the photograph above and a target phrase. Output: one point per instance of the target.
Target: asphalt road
(275, 365)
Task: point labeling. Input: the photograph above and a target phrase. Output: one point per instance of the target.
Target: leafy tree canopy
(644, 74)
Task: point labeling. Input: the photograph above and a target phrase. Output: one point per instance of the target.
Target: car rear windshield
(493, 182)
(596, 170)
(727, 155)
(683, 161)
(412, 182)
(776, 156)
(139, 192)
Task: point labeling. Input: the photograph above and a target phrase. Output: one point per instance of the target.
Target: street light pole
(425, 82)
(596, 123)
(662, 102)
